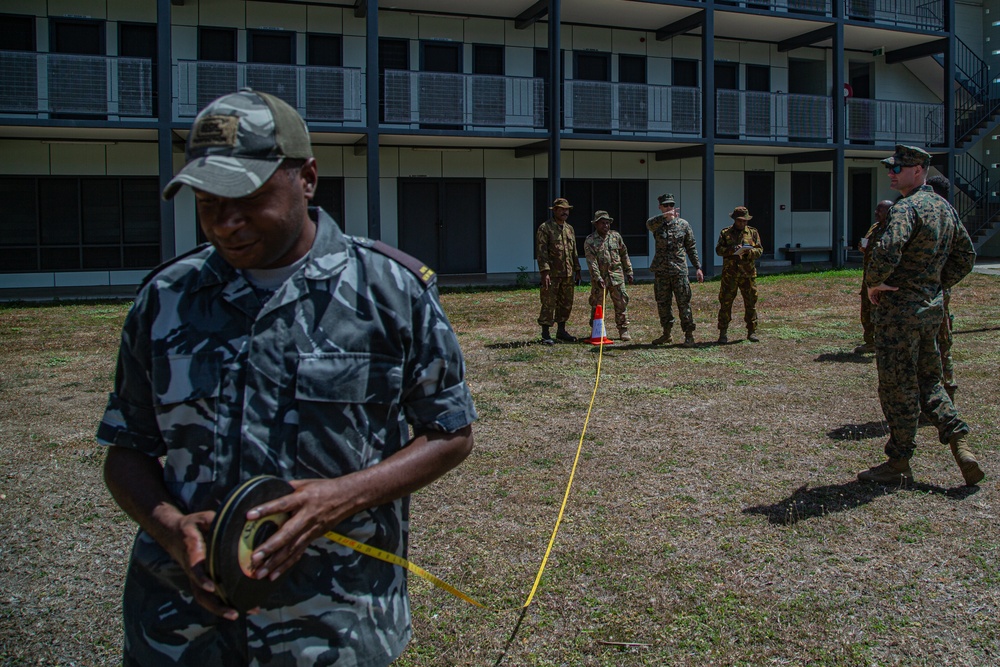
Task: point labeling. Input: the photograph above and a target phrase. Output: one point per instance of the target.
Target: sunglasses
(895, 169)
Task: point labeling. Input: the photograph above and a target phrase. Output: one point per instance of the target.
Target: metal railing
(812, 7)
(973, 201)
(888, 122)
(919, 14)
(632, 107)
(38, 83)
(331, 94)
(474, 100)
(777, 116)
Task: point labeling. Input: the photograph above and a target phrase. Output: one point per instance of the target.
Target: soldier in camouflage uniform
(941, 186)
(284, 348)
(865, 246)
(923, 250)
(740, 248)
(559, 266)
(610, 268)
(674, 246)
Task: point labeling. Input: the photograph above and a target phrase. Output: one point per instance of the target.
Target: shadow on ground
(846, 357)
(879, 429)
(806, 503)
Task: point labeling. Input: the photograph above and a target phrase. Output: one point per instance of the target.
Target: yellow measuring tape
(383, 555)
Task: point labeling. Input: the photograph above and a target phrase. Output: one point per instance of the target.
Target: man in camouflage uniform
(923, 250)
(288, 349)
(674, 246)
(865, 246)
(610, 268)
(941, 187)
(740, 248)
(559, 266)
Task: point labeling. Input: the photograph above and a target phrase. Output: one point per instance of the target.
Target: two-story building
(446, 128)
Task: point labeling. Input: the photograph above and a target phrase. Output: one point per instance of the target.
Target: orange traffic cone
(597, 336)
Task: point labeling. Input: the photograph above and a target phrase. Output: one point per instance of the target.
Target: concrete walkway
(988, 265)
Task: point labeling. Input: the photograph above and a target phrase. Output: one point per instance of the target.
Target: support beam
(360, 9)
(807, 39)
(809, 156)
(361, 146)
(918, 51)
(531, 15)
(685, 25)
(680, 153)
(536, 148)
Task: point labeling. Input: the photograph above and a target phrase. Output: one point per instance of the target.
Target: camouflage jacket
(730, 239)
(674, 239)
(923, 249)
(873, 234)
(555, 247)
(607, 257)
(318, 381)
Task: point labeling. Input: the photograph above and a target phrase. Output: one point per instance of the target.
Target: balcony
(632, 108)
(465, 101)
(813, 7)
(919, 14)
(323, 94)
(748, 114)
(889, 122)
(39, 84)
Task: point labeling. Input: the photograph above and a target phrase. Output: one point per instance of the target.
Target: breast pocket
(186, 391)
(348, 407)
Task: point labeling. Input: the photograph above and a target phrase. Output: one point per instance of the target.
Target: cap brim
(889, 161)
(223, 176)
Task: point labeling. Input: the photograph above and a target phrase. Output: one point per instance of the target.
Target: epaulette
(423, 272)
(152, 274)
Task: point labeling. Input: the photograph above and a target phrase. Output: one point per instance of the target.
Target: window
(324, 79)
(489, 99)
(810, 191)
(137, 79)
(19, 91)
(217, 63)
(65, 224)
(17, 32)
(625, 200)
(393, 54)
(275, 50)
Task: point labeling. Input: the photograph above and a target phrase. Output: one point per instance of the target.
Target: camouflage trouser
(909, 376)
(747, 286)
(617, 295)
(557, 301)
(866, 317)
(666, 288)
(944, 344)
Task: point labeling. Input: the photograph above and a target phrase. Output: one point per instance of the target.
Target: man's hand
(187, 548)
(546, 281)
(600, 281)
(629, 279)
(577, 277)
(875, 293)
(701, 275)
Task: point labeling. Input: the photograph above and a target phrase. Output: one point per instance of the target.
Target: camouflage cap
(602, 215)
(665, 199)
(237, 142)
(908, 156)
(741, 213)
(560, 203)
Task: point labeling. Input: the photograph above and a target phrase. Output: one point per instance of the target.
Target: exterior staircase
(977, 206)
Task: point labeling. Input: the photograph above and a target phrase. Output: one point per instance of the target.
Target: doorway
(758, 195)
(442, 104)
(758, 105)
(860, 110)
(592, 101)
(274, 50)
(78, 84)
(861, 205)
(727, 104)
(444, 223)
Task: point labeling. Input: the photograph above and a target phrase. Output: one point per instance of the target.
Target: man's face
(603, 226)
(267, 229)
(880, 213)
(740, 223)
(908, 178)
(667, 210)
(560, 214)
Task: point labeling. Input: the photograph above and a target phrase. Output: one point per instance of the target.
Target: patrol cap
(602, 215)
(740, 213)
(665, 199)
(237, 142)
(560, 203)
(908, 156)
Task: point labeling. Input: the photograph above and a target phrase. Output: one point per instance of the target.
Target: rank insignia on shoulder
(418, 268)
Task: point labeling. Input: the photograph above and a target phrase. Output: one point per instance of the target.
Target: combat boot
(546, 337)
(624, 335)
(893, 471)
(688, 340)
(752, 337)
(966, 461)
(664, 339)
(563, 335)
(867, 348)
(723, 338)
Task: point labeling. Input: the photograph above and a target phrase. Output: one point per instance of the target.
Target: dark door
(137, 80)
(758, 104)
(860, 108)
(808, 104)
(324, 78)
(758, 189)
(273, 55)
(78, 82)
(727, 99)
(633, 111)
(216, 64)
(394, 92)
(592, 92)
(862, 205)
(442, 223)
(489, 99)
(20, 90)
(442, 103)
(685, 100)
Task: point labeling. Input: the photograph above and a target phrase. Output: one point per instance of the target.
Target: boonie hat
(560, 203)
(237, 142)
(908, 156)
(741, 213)
(602, 215)
(665, 199)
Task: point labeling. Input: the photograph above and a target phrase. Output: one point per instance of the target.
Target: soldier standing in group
(674, 239)
(559, 267)
(923, 250)
(610, 268)
(865, 246)
(739, 246)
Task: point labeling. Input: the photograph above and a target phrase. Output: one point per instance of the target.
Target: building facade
(445, 128)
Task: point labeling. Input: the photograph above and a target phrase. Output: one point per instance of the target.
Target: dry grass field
(714, 519)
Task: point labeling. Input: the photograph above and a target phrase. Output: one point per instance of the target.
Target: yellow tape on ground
(383, 555)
